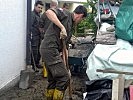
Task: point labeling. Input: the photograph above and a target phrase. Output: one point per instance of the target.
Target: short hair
(81, 10)
(65, 5)
(39, 3)
(54, 3)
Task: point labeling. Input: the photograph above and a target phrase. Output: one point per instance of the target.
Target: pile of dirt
(36, 91)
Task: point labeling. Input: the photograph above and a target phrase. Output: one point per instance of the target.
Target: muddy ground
(36, 91)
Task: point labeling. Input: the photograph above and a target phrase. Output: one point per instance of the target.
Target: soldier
(51, 46)
(35, 33)
(44, 18)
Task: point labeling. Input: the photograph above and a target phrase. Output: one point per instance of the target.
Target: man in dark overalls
(51, 47)
(35, 33)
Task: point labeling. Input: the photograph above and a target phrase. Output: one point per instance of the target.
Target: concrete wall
(12, 39)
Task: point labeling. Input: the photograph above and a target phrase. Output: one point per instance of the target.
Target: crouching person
(60, 28)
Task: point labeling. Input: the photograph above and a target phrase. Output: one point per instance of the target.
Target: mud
(37, 89)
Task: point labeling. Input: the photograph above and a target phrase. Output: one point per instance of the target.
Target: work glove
(63, 33)
(74, 40)
(69, 73)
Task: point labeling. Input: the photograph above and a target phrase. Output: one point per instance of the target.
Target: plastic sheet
(101, 89)
(124, 21)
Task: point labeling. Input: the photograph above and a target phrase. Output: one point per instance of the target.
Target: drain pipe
(28, 45)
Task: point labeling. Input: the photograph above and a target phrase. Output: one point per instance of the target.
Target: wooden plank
(128, 83)
(114, 71)
(115, 89)
(118, 87)
(121, 86)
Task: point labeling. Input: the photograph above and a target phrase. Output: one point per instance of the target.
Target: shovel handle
(114, 71)
(65, 54)
(65, 59)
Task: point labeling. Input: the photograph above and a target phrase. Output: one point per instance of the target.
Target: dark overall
(50, 49)
(35, 38)
(45, 22)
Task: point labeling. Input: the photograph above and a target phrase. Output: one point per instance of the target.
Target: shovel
(26, 76)
(65, 59)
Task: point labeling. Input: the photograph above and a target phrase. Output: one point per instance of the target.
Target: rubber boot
(45, 74)
(49, 94)
(58, 95)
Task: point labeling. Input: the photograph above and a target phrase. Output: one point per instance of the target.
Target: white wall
(12, 39)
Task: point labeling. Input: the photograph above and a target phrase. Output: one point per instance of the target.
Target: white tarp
(118, 57)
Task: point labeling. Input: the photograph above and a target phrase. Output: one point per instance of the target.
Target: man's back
(46, 22)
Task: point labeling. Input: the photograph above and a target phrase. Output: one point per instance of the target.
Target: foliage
(88, 23)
